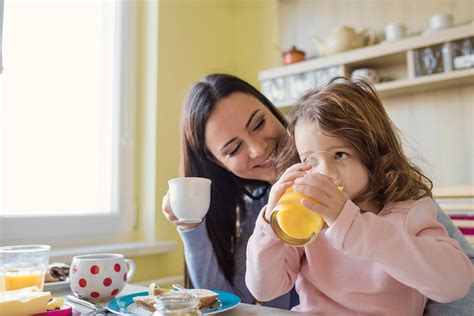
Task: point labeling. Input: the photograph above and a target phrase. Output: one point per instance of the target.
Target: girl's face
(243, 135)
(334, 158)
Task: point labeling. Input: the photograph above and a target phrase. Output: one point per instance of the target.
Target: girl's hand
(286, 180)
(322, 189)
(169, 215)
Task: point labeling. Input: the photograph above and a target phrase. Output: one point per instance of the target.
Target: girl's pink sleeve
(272, 266)
(419, 253)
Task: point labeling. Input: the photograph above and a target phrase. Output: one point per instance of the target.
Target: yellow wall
(256, 36)
(196, 37)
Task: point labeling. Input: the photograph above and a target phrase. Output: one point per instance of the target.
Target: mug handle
(131, 270)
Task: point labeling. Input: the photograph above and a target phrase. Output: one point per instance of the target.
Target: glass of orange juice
(292, 222)
(23, 266)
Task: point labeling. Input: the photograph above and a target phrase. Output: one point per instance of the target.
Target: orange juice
(13, 279)
(292, 222)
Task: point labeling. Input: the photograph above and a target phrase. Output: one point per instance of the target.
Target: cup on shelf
(99, 277)
(395, 31)
(367, 74)
(440, 21)
(23, 266)
(190, 198)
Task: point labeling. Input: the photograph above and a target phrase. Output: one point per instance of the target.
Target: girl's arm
(419, 253)
(202, 264)
(272, 266)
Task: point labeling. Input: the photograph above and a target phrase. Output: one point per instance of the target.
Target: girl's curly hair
(352, 111)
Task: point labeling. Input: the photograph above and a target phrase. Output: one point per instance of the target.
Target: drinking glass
(290, 220)
(177, 304)
(23, 266)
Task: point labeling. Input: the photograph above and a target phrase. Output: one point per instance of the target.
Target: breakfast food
(55, 303)
(155, 290)
(25, 301)
(146, 302)
(206, 297)
(56, 272)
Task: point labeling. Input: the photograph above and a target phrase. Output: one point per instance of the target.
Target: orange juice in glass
(292, 222)
(23, 266)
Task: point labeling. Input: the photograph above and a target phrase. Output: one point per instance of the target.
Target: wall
(195, 37)
(256, 35)
(437, 125)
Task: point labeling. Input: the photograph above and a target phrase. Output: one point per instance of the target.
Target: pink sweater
(385, 264)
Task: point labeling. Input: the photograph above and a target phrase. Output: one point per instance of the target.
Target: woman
(231, 134)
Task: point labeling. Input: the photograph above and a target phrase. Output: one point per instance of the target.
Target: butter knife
(96, 307)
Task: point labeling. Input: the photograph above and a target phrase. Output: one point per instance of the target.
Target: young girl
(382, 252)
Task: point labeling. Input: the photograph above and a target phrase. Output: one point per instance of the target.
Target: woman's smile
(269, 162)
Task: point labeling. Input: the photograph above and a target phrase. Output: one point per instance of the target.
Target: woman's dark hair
(227, 190)
(352, 111)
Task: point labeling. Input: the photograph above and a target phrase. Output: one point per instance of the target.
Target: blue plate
(125, 304)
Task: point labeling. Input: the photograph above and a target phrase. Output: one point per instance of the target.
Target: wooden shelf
(392, 60)
(418, 84)
(355, 56)
(434, 81)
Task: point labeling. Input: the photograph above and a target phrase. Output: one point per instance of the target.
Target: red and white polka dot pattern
(99, 277)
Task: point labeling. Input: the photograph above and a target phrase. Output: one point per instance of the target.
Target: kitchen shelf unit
(394, 61)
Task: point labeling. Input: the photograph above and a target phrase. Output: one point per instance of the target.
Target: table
(241, 309)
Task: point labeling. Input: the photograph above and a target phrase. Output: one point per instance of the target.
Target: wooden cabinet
(409, 65)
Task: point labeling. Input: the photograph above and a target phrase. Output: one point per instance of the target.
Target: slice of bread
(146, 302)
(155, 289)
(206, 297)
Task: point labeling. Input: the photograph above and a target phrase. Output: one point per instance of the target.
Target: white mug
(395, 31)
(190, 198)
(99, 277)
(441, 21)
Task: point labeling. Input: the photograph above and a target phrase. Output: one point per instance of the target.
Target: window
(66, 124)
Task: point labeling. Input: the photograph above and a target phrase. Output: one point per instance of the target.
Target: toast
(56, 272)
(146, 302)
(205, 297)
(155, 290)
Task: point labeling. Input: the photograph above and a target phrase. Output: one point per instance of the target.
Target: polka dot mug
(99, 277)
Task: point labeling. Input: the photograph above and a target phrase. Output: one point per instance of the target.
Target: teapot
(342, 39)
(293, 56)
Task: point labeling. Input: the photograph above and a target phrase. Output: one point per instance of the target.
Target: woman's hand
(286, 180)
(169, 215)
(322, 189)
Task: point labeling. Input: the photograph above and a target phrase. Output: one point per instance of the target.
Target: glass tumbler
(292, 222)
(177, 304)
(23, 266)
